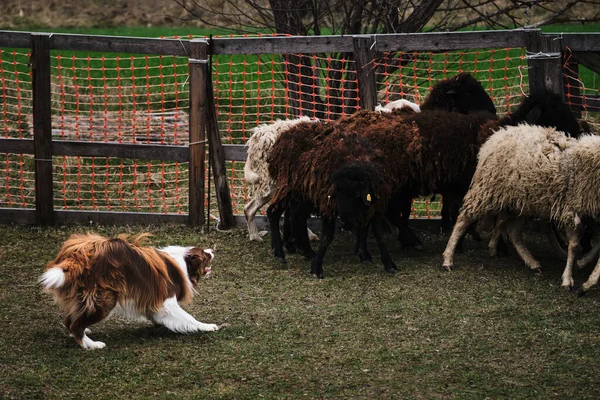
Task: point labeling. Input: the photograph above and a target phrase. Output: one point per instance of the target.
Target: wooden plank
(24, 216)
(545, 64)
(197, 125)
(235, 152)
(116, 218)
(217, 159)
(121, 150)
(364, 54)
(121, 44)
(282, 45)
(445, 41)
(590, 59)
(16, 146)
(42, 127)
(15, 39)
(581, 41)
(438, 41)
(19, 216)
(100, 149)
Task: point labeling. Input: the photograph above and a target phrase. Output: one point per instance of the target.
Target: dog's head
(198, 261)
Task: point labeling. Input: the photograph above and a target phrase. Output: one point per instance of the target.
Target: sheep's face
(353, 195)
(461, 93)
(468, 96)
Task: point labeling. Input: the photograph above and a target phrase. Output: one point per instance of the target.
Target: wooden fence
(545, 73)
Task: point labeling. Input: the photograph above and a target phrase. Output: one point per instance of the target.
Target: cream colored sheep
(256, 171)
(538, 172)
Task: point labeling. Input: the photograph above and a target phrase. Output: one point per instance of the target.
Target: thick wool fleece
(256, 169)
(303, 165)
(524, 170)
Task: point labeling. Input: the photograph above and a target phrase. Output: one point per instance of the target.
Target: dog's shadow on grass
(119, 335)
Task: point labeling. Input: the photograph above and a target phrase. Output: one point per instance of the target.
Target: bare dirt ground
(89, 13)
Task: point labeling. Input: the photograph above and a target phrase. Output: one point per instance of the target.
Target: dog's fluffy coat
(93, 276)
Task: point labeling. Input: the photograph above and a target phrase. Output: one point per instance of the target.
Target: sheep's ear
(533, 116)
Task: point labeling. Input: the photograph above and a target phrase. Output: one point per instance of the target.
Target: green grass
(489, 329)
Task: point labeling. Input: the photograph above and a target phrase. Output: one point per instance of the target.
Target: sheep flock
(363, 170)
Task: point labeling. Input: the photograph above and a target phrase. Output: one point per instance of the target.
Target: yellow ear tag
(369, 197)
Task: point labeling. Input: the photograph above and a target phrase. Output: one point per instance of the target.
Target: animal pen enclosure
(119, 130)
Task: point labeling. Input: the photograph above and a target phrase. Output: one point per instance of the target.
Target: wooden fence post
(545, 63)
(364, 54)
(42, 127)
(197, 125)
(217, 160)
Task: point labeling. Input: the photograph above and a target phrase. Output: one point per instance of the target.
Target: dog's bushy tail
(53, 278)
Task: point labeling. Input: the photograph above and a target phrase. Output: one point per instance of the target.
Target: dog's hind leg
(176, 319)
(91, 312)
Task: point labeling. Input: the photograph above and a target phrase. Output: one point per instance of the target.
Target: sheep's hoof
(390, 270)
(307, 254)
(447, 268)
(256, 238)
(318, 276)
(366, 258)
(281, 260)
(537, 270)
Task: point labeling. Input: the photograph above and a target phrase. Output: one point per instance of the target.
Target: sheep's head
(353, 193)
(547, 110)
(461, 93)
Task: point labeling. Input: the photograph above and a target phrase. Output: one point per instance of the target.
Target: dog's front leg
(175, 318)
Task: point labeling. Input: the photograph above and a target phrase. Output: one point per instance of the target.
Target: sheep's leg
(388, 263)
(316, 266)
(288, 241)
(591, 231)
(499, 229)
(515, 232)
(573, 237)
(460, 228)
(398, 215)
(361, 244)
(250, 211)
(590, 256)
(592, 279)
(300, 230)
(274, 213)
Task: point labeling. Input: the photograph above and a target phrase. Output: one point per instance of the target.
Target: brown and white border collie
(94, 276)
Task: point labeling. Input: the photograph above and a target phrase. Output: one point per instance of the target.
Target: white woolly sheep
(256, 171)
(538, 172)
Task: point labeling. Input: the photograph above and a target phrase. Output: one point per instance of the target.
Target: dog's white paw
(89, 344)
(208, 327)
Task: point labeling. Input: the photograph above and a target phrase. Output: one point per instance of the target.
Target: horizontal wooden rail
(434, 41)
(120, 44)
(438, 41)
(100, 149)
(15, 39)
(28, 217)
(581, 41)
